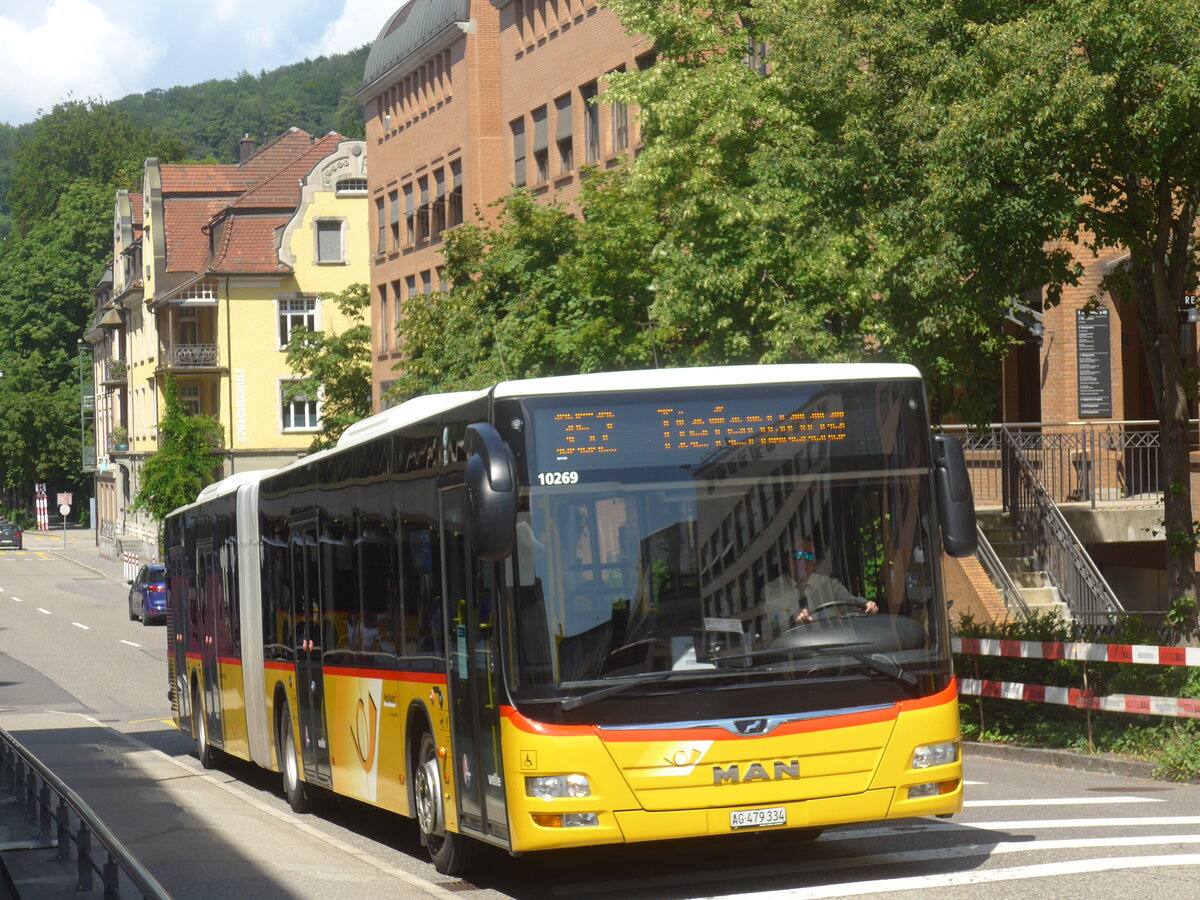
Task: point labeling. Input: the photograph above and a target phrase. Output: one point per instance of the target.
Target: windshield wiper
(874, 661)
(569, 703)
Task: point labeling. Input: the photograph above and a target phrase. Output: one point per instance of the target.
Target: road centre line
(984, 876)
(44, 612)
(81, 625)
(1063, 801)
(130, 643)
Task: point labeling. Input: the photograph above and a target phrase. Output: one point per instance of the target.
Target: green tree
(187, 460)
(79, 140)
(906, 171)
(540, 292)
(335, 366)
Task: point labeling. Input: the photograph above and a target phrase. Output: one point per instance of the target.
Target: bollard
(64, 831)
(112, 879)
(83, 841)
(44, 810)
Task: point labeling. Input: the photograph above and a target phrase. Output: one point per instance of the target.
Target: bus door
(308, 616)
(472, 595)
(208, 589)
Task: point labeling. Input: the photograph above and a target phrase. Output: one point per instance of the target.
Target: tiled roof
(238, 177)
(282, 187)
(248, 245)
(183, 221)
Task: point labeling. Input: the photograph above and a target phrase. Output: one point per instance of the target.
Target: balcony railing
(115, 371)
(190, 356)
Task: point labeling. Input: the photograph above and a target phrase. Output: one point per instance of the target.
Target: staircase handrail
(1059, 551)
(1003, 581)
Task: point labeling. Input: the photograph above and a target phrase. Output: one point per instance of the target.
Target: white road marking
(81, 625)
(1020, 826)
(1064, 801)
(130, 643)
(44, 612)
(986, 876)
(18, 600)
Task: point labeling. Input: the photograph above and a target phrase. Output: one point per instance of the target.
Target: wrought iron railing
(1014, 600)
(190, 356)
(66, 822)
(1059, 552)
(1075, 463)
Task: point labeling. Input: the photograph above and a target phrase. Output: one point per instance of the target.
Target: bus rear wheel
(204, 751)
(452, 854)
(293, 788)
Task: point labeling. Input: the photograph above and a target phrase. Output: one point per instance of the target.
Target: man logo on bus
(756, 771)
(365, 721)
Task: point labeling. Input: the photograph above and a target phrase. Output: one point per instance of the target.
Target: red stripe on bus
(387, 674)
(804, 726)
(229, 660)
(282, 666)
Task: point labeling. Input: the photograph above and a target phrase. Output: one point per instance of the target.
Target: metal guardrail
(61, 812)
(1058, 550)
(1076, 462)
(1014, 600)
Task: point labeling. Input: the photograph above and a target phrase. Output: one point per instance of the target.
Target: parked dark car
(10, 536)
(148, 595)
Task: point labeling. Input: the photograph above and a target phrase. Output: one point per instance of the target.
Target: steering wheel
(834, 605)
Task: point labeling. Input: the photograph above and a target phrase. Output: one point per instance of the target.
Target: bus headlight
(928, 755)
(551, 787)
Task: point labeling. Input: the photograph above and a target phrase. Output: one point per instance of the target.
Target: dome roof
(411, 26)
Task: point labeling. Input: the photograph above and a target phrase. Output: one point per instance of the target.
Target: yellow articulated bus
(591, 609)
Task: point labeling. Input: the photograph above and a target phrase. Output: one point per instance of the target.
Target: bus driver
(801, 591)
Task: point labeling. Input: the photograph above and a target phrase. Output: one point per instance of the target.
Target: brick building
(466, 100)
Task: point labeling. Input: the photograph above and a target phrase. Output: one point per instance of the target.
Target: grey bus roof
(407, 413)
(708, 376)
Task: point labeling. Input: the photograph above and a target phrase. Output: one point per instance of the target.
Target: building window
(189, 398)
(518, 133)
(394, 202)
(427, 282)
(541, 146)
(454, 209)
(384, 341)
(410, 216)
(439, 201)
(563, 138)
(423, 209)
(591, 123)
(330, 247)
(296, 312)
(381, 244)
(300, 413)
(352, 187)
(619, 121)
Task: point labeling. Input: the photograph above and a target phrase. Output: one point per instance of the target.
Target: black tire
(296, 791)
(132, 614)
(452, 854)
(204, 751)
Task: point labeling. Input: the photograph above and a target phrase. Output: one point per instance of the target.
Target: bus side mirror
(491, 483)
(956, 504)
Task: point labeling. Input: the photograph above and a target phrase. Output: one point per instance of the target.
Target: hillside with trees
(58, 176)
(208, 119)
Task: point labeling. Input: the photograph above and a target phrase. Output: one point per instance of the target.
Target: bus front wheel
(452, 854)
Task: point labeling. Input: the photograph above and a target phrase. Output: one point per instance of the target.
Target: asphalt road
(86, 688)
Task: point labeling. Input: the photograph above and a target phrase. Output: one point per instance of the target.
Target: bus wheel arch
(204, 751)
(451, 853)
(295, 789)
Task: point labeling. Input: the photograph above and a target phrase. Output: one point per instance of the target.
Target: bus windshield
(717, 539)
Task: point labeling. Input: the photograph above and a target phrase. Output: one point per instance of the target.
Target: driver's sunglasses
(807, 555)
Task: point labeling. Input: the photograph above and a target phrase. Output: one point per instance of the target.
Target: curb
(61, 555)
(1064, 759)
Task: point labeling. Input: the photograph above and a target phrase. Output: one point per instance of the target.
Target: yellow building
(232, 258)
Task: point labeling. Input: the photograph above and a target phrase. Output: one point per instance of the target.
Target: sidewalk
(79, 546)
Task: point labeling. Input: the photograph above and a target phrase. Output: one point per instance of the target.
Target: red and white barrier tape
(1116, 653)
(1078, 699)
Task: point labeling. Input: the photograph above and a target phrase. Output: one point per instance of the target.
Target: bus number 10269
(548, 478)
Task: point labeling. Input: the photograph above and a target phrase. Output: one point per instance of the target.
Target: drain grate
(458, 887)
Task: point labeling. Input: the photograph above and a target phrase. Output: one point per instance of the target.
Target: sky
(54, 50)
